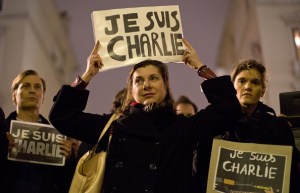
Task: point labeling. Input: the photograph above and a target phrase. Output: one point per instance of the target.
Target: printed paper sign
(249, 168)
(36, 143)
(129, 36)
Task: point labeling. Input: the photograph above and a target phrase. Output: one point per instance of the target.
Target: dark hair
(163, 70)
(247, 65)
(118, 100)
(16, 82)
(185, 100)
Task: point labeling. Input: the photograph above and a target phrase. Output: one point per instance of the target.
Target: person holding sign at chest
(259, 123)
(151, 149)
(28, 90)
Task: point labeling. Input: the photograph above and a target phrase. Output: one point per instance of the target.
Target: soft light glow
(296, 35)
(297, 38)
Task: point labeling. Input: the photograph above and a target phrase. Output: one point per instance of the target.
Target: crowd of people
(158, 145)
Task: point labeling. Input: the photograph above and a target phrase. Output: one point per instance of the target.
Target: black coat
(262, 127)
(149, 151)
(3, 138)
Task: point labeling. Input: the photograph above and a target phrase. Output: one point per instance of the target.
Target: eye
(38, 87)
(153, 77)
(241, 81)
(25, 86)
(138, 81)
(256, 82)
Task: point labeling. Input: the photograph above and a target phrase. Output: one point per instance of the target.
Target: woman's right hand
(94, 64)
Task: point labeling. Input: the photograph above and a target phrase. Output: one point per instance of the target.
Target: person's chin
(249, 103)
(247, 100)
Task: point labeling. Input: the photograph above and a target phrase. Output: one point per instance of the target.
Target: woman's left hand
(190, 56)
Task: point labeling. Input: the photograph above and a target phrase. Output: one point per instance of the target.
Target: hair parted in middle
(163, 70)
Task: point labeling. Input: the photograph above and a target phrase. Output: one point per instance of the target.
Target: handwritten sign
(249, 167)
(129, 36)
(36, 143)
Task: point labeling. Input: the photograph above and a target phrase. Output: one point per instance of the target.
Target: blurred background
(55, 37)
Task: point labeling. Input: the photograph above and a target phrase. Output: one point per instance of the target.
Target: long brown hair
(163, 70)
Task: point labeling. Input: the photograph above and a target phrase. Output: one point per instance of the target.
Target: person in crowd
(185, 106)
(28, 90)
(116, 105)
(151, 148)
(259, 123)
(118, 101)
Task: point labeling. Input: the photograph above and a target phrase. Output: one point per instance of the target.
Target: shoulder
(271, 118)
(277, 119)
(9, 118)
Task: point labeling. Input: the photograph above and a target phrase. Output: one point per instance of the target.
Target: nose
(32, 89)
(146, 84)
(248, 86)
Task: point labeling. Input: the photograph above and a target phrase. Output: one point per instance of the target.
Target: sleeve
(223, 112)
(221, 94)
(67, 115)
(79, 83)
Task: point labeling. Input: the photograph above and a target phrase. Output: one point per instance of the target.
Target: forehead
(184, 106)
(146, 71)
(249, 74)
(32, 79)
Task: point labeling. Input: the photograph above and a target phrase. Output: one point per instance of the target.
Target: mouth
(31, 99)
(246, 94)
(148, 95)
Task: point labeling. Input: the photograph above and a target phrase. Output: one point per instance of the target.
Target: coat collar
(13, 116)
(147, 124)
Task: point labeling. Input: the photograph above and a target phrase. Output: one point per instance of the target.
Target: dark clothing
(2, 119)
(149, 151)
(34, 178)
(262, 127)
(83, 148)
(3, 138)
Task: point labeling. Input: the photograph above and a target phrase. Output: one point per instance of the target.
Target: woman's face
(148, 85)
(249, 87)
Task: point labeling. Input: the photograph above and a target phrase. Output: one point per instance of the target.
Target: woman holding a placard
(151, 149)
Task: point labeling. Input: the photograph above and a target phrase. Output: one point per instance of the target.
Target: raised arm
(191, 59)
